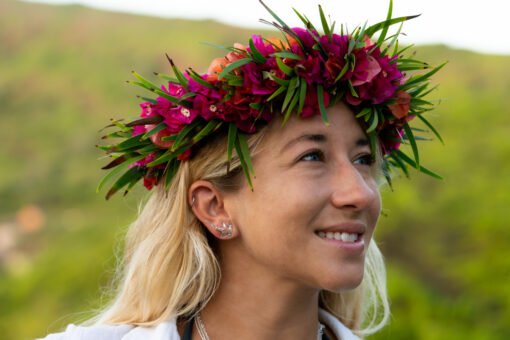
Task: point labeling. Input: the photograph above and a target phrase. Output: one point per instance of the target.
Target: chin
(345, 281)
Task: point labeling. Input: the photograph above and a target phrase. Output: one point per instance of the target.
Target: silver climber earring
(225, 230)
(193, 200)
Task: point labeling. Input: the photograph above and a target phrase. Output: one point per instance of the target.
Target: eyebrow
(319, 138)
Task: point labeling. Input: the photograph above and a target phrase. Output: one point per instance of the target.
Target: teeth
(344, 237)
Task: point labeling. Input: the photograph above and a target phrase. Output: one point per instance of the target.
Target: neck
(254, 304)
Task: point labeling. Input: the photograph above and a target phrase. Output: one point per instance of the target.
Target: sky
(468, 24)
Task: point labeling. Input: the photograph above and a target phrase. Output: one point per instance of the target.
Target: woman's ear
(207, 203)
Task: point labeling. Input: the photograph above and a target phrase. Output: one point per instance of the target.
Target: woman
(261, 223)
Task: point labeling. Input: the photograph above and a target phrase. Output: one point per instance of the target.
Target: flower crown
(302, 73)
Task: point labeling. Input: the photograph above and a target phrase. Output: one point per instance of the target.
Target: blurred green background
(61, 78)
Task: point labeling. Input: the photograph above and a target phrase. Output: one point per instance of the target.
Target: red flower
(400, 108)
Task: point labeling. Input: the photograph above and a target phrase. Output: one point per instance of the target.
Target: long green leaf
(290, 92)
(244, 165)
(431, 127)
(288, 55)
(178, 73)
(117, 170)
(324, 22)
(211, 125)
(232, 134)
(236, 64)
(386, 26)
(410, 137)
(375, 121)
(276, 93)
(285, 69)
(154, 130)
(184, 133)
(418, 79)
(245, 151)
(322, 107)
(196, 77)
(379, 26)
(406, 158)
(302, 96)
(133, 174)
(257, 56)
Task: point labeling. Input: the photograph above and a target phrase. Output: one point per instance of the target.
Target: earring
(193, 200)
(225, 230)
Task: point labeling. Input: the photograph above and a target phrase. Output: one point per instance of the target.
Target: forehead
(343, 128)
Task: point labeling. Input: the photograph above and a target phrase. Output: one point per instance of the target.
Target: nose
(352, 189)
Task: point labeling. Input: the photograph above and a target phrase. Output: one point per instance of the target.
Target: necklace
(204, 336)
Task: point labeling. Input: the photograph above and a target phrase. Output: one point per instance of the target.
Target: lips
(350, 228)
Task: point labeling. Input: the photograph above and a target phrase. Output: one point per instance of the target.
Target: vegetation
(445, 241)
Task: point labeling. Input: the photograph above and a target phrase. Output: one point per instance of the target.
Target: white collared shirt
(167, 331)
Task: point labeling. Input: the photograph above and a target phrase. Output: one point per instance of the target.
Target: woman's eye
(314, 156)
(367, 159)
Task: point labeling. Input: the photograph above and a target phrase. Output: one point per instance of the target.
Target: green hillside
(62, 73)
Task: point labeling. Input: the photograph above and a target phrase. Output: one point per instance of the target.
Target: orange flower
(279, 43)
(292, 41)
(218, 64)
(402, 104)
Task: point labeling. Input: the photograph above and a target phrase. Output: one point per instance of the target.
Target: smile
(339, 236)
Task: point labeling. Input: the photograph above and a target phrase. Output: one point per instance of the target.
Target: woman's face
(315, 202)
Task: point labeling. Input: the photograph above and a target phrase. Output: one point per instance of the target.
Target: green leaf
(145, 82)
(364, 112)
(154, 130)
(431, 127)
(245, 151)
(276, 93)
(117, 170)
(178, 73)
(386, 172)
(292, 104)
(342, 73)
(406, 158)
(232, 134)
(150, 100)
(399, 162)
(290, 92)
(168, 78)
(379, 26)
(302, 95)
(351, 88)
(386, 26)
(171, 170)
(279, 81)
(410, 136)
(273, 14)
(322, 107)
(394, 40)
(130, 143)
(375, 121)
(288, 55)
(184, 133)
(196, 77)
(236, 64)
(324, 22)
(133, 174)
(257, 56)
(211, 125)
(285, 69)
(418, 79)
(243, 161)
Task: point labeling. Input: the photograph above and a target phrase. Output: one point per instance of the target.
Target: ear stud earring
(225, 230)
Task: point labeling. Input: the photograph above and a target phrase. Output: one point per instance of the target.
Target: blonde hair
(169, 268)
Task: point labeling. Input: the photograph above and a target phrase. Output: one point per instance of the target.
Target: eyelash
(368, 157)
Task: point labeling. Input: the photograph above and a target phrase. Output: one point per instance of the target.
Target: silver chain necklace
(204, 336)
